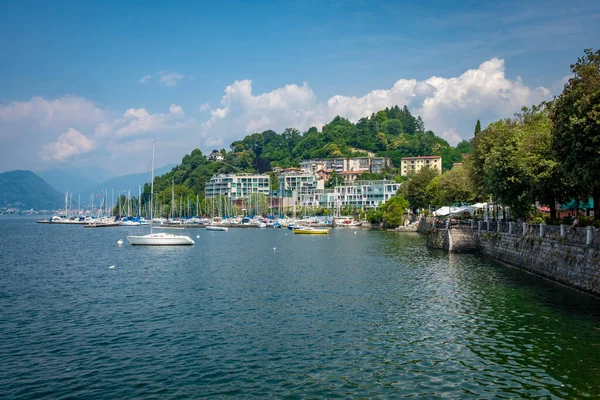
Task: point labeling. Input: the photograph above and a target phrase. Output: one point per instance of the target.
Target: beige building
(412, 165)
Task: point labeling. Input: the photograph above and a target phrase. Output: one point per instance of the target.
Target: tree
(394, 210)
(477, 127)
(503, 175)
(420, 125)
(415, 190)
(575, 116)
(452, 187)
(544, 173)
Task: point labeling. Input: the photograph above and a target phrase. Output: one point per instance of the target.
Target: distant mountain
(25, 190)
(94, 174)
(127, 182)
(64, 180)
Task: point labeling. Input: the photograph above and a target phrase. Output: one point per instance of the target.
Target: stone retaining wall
(572, 264)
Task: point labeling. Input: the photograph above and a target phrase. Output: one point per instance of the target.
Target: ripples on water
(368, 315)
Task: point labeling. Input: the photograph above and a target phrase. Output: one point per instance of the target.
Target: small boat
(309, 230)
(216, 228)
(127, 221)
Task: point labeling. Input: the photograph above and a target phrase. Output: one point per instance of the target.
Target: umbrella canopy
(443, 211)
(582, 204)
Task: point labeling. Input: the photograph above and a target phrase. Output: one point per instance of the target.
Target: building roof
(420, 157)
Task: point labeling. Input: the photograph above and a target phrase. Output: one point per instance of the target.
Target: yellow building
(412, 165)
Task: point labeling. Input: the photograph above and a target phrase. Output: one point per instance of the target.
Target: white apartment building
(298, 188)
(411, 165)
(362, 194)
(237, 186)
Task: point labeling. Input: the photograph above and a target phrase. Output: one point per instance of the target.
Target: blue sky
(87, 84)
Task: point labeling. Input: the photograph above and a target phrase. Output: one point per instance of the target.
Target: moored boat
(309, 230)
(216, 228)
(158, 238)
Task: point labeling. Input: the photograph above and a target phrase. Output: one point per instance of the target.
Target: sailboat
(158, 238)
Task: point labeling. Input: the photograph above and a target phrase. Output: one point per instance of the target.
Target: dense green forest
(393, 132)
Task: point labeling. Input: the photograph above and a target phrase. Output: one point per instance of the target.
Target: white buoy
(120, 242)
(286, 234)
(355, 233)
(111, 267)
(274, 248)
(197, 236)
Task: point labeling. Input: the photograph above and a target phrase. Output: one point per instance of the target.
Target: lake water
(264, 313)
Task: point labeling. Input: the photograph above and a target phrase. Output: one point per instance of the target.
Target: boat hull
(216, 228)
(160, 239)
(311, 231)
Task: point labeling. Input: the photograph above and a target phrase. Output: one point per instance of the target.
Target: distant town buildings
(305, 186)
(374, 165)
(412, 165)
(298, 189)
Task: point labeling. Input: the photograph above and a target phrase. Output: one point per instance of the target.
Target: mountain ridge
(24, 190)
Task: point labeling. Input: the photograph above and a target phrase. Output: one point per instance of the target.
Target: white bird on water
(197, 236)
(119, 242)
(111, 267)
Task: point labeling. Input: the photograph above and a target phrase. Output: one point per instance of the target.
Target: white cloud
(174, 109)
(52, 113)
(484, 93)
(355, 108)
(243, 112)
(451, 136)
(70, 144)
(559, 85)
(165, 78)
(171, 78)
(257, 125)
(449, 106)
(204, 107)
(137, 121)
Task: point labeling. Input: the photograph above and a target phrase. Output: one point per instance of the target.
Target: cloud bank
(449, 106)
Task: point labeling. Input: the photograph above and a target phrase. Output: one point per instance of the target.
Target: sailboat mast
(172, 199)
(152, 184)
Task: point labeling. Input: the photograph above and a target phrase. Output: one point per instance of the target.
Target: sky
(87, 85)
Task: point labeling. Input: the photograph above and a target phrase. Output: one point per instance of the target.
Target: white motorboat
(128, 222)
(159, 238)
(216, 228)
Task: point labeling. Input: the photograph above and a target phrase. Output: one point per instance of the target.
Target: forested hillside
(24, 190)
(393, 132)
